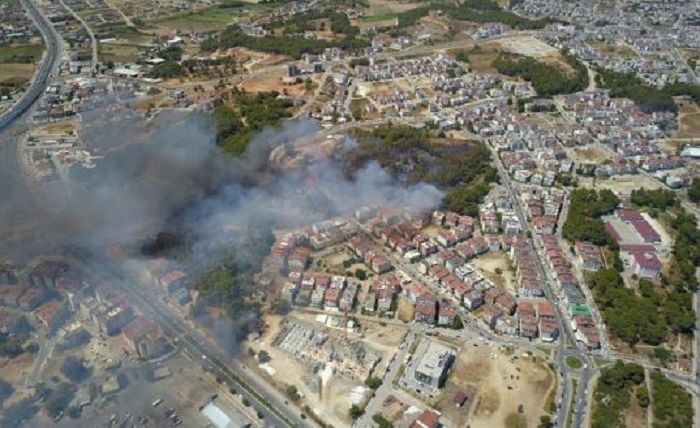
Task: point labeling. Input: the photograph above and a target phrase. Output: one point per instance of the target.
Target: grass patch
(572, 404)
(414, 346)
(379, 17)
(21, 54)
(574, 363)
(399, 375)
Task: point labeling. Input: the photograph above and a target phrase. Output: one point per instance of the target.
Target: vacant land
(688, 120)
(590, 154)
(119, 52)
(16, 74)
(405, 310)
(503, 381)
(481, 56)
(494, 266)
(620, 184)
(266, 84)
(21, 54)
(618, 50)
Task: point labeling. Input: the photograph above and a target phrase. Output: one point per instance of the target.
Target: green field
(380, 17)
(21, 54)
(220, 14)
(574, 363)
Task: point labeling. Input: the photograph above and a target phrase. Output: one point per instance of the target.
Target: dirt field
(636, 415)
(63, 128)
(489, 262)
(623, 183)
(15, 370)
(620, 51)
(118, 52)
(16, 71)
(688, 121)
(384, 7)
(491, 372)
(589, 155)
(481, 57)
(406, 310)
(528, 46)
(266, 84)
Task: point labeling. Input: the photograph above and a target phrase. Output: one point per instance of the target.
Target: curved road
(43, 75)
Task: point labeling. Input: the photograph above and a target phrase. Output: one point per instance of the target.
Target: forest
(481, 11)
(648, 98)
(613, 393)
(547, 80)
(412, 155)
(583, 222)
(236, 126)
(295, 47)
(672, 404)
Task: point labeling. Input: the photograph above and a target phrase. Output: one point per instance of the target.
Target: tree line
(649, 99)
(233, 36)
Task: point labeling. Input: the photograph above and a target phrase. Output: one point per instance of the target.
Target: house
(380, 265)
(492, 315)
(549, 330)
(11, 294)
(589, 256)
(459, 399)
(52, 314)
(506, 302)
(446, 315)
(434, 365)
(425, 310)
(646, 265)
(473, 299)
(428, 419)
(32, 298)
(332, 299)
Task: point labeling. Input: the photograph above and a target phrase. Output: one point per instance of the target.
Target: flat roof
(220, 418)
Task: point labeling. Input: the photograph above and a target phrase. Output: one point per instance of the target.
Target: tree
(457, 324)
(361, 274)
(355, 412)
(642, 394)
(74, 369)
(546, 421)
(6, 390)
(264, 356)
(382, 421)
(373, 383)
(293, 393)
(694, 191)
(59, 398)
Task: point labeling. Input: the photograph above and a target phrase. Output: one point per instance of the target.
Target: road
(91, 34)
(43, 74)
(566, 333)
(264, 397)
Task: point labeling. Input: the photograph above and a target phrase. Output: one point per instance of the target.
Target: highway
(272, 404)
(43, 74)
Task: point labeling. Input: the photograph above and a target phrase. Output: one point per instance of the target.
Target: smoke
(170, 172)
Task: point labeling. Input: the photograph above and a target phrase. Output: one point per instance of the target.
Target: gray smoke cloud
(170, 170)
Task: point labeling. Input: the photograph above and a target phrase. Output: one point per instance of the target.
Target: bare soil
(488, 370)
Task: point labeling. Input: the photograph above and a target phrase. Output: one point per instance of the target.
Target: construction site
(321, 350)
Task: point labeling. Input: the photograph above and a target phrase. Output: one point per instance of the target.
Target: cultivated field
(502, 383)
